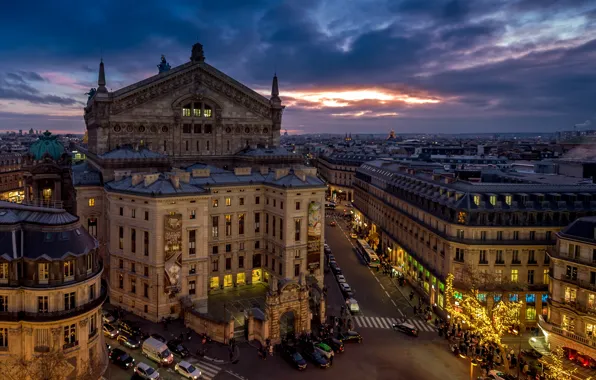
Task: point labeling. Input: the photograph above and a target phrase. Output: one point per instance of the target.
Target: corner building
(429, 223)
(51, 291)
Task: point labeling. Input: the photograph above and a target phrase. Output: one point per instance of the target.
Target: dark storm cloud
(465, 52)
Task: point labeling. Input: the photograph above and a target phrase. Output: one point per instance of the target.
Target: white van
(157, 351)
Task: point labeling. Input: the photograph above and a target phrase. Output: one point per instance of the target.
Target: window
(499, 257)
(281, 205)
(281, 228)
(571, 273)
(146, 243)
(493, 199)
(91, 202)
(120, 281)
(145, 290)
(133, 213)
(215, 249)
(547, 235)
(92, 324)
(257, 200)
(297, 206)
(257, 244)
(228, 247)
(275, 203)
(146, 215)
(273, 225)
(3, 272)
(459, 254)
(508, 199)
(4, 337)
(241, 246)
(574, 251)
(228, 201)
(192, 269)
(570, 295)
(133, 285)
(121, 237)
(193, 214)
(483, 257)
(531, 276)
(228, 225)
(297, 228)
(133, 240)
(241, 201)
(514, 275)
(515, 235)
(186, 128)
(69, 300)
(513, 297)
(545, 275)
(531, 313)
(499, 235)
(215, 202)
(192, 287)
(241, 224)
(69, 268)
(215, 266)
(43, 272)
(121, 211)
(207, 131)
(257, 222)
(240, 262)
(3, 303)
(532, 235)
(256, 261)
(121, 264)
(477, 200)
(515, 256)
(460, 234)
(70, 335)
(42, 304)
(92, 226)
(215, 226)
(297, 254)
(192, 241)
(296, 270)
(482, 235)
(279, 269)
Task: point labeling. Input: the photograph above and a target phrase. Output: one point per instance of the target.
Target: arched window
(186, 110)
(207, 111)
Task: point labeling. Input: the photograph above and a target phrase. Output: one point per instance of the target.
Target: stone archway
(287, 324)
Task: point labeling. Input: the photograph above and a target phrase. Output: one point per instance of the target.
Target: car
(145, 371)
(331, 257)
(406, 328)
(130, 327)
(176, 346)
(335, 269)
(340, 278)
(315, 357)
(333, 223)
(107, 317)
(326, 248)
(128, 340)
(353, 236)
(188, 370)
(110, 331)
(332, 262)
(324, 349)
(159, 337)
(121, 358)
(292, 356)
(350, 337)
(585, 361)
(498, 375)
(346, 289)
(109, 347)
(335, 344)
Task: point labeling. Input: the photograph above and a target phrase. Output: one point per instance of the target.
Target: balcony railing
(568, 334)
(553, 252)
(29, 316)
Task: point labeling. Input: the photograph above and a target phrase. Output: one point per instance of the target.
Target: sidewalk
(214, 352)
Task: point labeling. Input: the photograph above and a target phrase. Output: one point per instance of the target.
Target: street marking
(394, 304)
(387, 294)
(382, 286)
(401, 312)
(208, 370)
(378, 280)
(374, 322)
(387, 323)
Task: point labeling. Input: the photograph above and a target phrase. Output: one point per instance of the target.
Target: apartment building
(571, 318)
(338, 170)
(429, 223)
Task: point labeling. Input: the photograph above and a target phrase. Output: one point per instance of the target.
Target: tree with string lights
(555, 369)
(490, 325)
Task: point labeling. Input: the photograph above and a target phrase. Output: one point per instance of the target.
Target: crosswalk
(208, 370)
(385, 323)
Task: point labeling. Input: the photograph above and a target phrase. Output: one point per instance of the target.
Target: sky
(344, 66)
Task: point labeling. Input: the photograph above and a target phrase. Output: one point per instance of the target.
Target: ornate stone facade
(288, 309)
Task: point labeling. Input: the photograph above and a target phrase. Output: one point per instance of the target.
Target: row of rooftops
(198, 179)
(445, 188)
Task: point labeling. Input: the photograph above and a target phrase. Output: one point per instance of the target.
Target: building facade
(11, 178)
(338, 171)
(429, 223)
(571, 319)
(51, 293)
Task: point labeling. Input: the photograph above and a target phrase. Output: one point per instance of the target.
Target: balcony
(553, 252)
(29, 316)
(567, 334)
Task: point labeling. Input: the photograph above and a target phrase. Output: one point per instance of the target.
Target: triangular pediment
(194, 75)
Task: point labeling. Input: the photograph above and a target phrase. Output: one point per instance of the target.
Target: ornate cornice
(200, 75)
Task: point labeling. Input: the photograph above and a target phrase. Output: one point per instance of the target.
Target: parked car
(350, 336)
(130, 327)
(331, 257)
(340, 278)
(159, 337)
(335, 269)
(353, 306)
(324, 349)
(107, 317)
(292, 356)
(145, 371)
(346, 289)
(176, 346)
(121, 358)
(406, 328)
(353, 236)
(333, 223)
(110, 331)
(188, 370)
(128, 340)
(314, 356)
(336, 345)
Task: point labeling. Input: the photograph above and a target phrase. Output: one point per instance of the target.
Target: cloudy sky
(444, 66)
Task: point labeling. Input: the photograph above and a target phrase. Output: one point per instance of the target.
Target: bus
(371, 258)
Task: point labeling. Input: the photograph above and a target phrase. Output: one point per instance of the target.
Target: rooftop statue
(91, 92)
(164, 65)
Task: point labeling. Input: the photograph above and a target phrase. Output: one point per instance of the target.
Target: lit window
(508, 200)
(69, 270)
(43, 272)
(3, 273)
(477, 200)
(70, 335)
(493, 200)
(514, 275)
(228, 201)
(91, 202)
(215, 203)
(4, 337)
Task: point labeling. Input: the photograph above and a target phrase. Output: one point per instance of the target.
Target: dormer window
(477, 200)
(493, 200)
(508, 200)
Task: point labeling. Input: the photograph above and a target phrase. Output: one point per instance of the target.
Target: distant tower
(275, 101)
(101, 80)
(391, 135)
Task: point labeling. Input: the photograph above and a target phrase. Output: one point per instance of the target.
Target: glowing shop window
(47, 194)
(214, 283)
(228, 281)
(241, 278)
(91, 202)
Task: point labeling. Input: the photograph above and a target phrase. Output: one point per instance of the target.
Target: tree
(489, 325)
(555, 366)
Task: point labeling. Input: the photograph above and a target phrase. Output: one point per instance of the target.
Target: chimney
(137, 178)
(281, 172)
(175, 180)
(150, 179)
(264, 170)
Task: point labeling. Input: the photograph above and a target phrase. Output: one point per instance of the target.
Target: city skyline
(372, 66)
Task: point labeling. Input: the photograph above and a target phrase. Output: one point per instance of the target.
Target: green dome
(47, 144)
